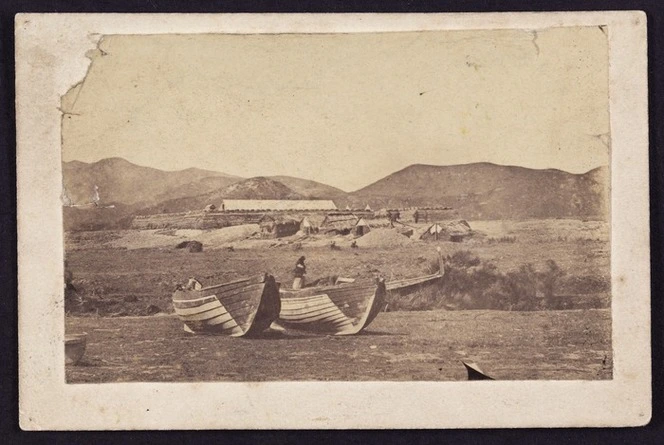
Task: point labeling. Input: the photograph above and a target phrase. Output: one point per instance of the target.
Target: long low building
(275, 204)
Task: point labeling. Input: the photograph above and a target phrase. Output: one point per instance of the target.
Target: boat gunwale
(258, 278)
(314, 291)
(407, 282)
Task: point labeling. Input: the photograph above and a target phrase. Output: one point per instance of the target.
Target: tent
(452, 230)
(306, 226)
(361, 227)
(433, 232)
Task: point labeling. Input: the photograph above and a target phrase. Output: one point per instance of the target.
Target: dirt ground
(126, 273)
(423, 346)
(125, 281)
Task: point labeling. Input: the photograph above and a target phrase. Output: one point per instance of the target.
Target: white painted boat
(344, 309)
(239, 308)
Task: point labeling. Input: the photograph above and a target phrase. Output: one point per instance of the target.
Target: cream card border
(50, 58)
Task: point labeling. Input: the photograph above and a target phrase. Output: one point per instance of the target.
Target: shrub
(470, 283)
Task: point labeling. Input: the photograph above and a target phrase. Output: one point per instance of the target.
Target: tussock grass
(472, 283)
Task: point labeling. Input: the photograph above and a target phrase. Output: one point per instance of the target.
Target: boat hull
(339, 310)
(240, 308)
(74, 347)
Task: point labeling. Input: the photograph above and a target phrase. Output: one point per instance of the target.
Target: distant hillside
(311, 189)
(120, 181)
(490, 191)
(97, 218)
(258, 188)
(199, 187)
(252, 188)
(473, 191)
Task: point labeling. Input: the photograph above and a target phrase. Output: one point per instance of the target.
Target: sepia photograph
(393, 205)
(442, 196)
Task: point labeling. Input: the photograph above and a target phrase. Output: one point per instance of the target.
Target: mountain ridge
(473, 190)
(493, 191)
(121, 181)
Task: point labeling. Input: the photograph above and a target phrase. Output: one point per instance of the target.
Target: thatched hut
(458, 230)
(278, 226)
(339, 223)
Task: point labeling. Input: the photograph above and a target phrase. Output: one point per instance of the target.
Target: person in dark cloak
(299, 273)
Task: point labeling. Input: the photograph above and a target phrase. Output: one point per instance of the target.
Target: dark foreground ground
(428, 345)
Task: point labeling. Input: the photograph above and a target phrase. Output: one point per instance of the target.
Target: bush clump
(470, 283)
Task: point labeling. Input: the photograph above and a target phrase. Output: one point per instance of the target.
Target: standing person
(299, 273)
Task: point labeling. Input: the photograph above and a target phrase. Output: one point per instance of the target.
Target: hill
(252, 188)
(311, 189)
(490, 191)
(258, 188)
(195, 188)
(97, 218)
(120, 181)
(473, 191)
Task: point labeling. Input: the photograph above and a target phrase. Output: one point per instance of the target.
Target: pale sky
(345, 109)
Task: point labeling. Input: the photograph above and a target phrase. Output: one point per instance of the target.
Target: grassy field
(424, 346)
(116, 275)
(125, 281)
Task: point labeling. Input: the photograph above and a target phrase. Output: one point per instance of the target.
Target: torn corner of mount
(92, 54)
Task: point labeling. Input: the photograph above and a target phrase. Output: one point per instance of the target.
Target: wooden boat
(75, 347)
(343, 309)
(239, 308)
(409, 285)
